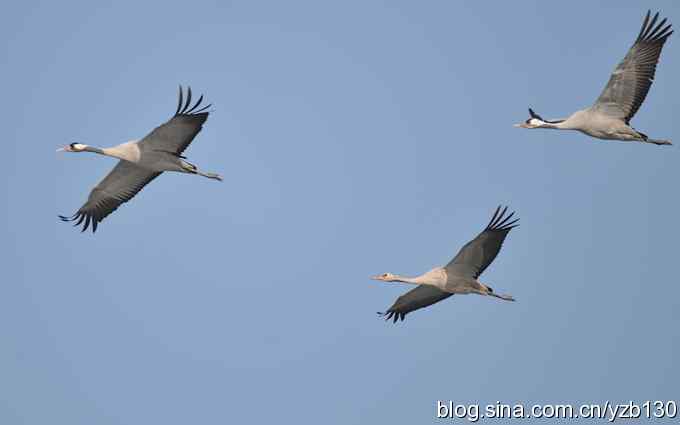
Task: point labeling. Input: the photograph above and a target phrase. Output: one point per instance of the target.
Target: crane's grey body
(609, 117)
(152, 160)
(142, 161)
(448, 281)
(595, 123)
(459, 276)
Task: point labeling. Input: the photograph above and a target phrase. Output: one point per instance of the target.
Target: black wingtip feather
(86, 219)
(494, 217)
(198, 102)
(665, 33)
(501, 222)
(184, 107)
(655, 33)
(651, 31)
(179, 103)
(508, 217)
(392, 315)
(651, 26)
(188, 101)
(644, 25)
(511, 225)
(202, 109)
(502, 214)
(87, 224)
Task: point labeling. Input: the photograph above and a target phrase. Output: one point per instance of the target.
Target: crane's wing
(419, 297)
(175, 135)
(119, 186)
(632, 78)
(477, 254)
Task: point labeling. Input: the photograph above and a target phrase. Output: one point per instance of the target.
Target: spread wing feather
(630, 82)
(476, 255)
(119, 186)
(417, 298)
(177, 134)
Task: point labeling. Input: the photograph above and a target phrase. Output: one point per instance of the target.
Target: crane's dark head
(385, 277)
(536, 121)
(73, 147)
(531, 123)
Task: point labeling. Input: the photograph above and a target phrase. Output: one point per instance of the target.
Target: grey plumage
(459, 275)
(419, 297)
(609, 117)
(177, 134)
(479, 253)
(118, 187)
(630, 82)
(142, 161)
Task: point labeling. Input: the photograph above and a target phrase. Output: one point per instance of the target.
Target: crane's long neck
(121, 152)
(574, 121)
(418, 280)
(557, 124)
(93, 149)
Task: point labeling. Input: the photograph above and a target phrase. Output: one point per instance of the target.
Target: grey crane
(141, 161)
(459, 276)
(609, 118)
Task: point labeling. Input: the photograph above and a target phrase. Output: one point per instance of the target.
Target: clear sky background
(355, 138)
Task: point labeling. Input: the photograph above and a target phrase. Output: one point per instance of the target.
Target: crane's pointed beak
(61, 150)
(520, 125)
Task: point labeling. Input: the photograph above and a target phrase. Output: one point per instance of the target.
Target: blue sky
(355, 138)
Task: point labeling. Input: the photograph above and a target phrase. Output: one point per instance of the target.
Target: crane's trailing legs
(657, 142)
(192, 169)
(487, 290)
